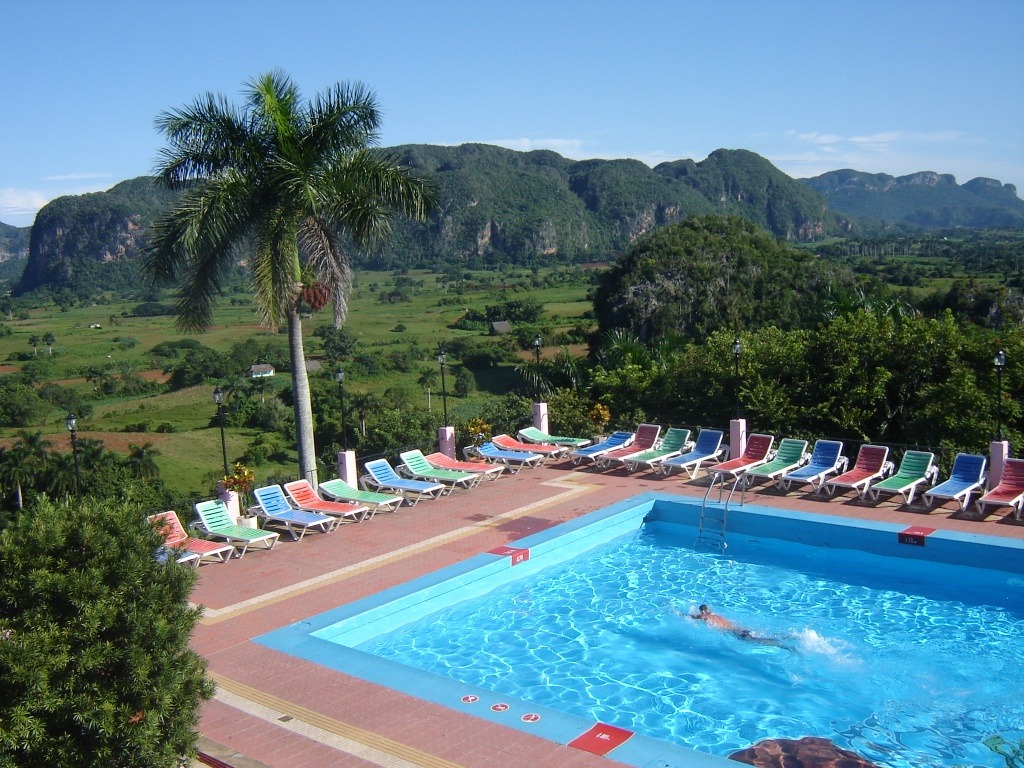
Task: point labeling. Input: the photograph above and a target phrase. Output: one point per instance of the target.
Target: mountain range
(497, 205)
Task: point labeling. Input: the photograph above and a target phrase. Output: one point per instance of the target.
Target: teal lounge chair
(826, 459)
(967, 476)
(792, 453)
(707, 448)
(415, 465)
(381, 475)
(273, 508)
(675, 441)
(215, 520)
(339, 490)
(534, 435)
(916, 469)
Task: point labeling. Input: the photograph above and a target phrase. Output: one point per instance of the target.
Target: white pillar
(998, 453)
(737, 437)
(540, 416)
(347, 468)
(446, 441)
(230, 499)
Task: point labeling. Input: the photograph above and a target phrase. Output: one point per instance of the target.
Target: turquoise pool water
(904, 660)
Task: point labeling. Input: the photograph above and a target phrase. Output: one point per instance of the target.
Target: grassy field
(190, 455)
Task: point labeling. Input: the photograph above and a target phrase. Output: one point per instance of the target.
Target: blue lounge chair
(514, 460)
(967, 475)
(381, 475)
(612, 443)
(707, 448)
(826, 459)
(275, 510)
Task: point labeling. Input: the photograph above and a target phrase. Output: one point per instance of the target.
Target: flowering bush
(240, 481)
(599, 416)
(479, 430)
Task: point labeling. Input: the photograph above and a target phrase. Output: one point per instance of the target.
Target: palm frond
(277, 270)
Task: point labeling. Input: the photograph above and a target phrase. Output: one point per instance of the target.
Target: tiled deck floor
(284, 712)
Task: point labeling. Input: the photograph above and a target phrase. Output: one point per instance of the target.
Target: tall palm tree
(298, 181)
(141, 461)
(22, 464)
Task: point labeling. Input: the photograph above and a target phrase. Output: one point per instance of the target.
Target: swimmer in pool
(705, 614)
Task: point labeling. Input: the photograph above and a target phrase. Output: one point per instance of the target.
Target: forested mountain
(925, 199)
(529, 208)
(13, 242)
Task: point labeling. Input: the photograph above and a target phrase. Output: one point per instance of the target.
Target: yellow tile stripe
(348, 738)
(573, 489)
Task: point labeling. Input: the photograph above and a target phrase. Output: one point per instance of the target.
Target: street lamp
(218, 398)
(442, 359)
(737, 350)
(999, 361)
(340, 378)
(72, 423)
(536, 353)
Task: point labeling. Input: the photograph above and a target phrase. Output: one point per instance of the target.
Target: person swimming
(705, 614)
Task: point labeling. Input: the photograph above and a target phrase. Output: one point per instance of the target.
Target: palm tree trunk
(303, 401)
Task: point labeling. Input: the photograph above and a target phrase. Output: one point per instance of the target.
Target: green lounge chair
(534, 435)
(791, 454)
(415, 465)
(215, 520)
(376, 502)
(675, 441)
(916, 468)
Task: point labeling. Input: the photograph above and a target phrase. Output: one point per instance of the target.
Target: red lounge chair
(188, 548)
(443, 461)
(509, 443)
(1010, 490)
(872, 464)
(646, 437)
(756, 453)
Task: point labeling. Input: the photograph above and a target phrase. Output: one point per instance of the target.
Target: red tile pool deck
(283, 712)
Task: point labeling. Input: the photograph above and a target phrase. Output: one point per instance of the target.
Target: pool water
(905, 662)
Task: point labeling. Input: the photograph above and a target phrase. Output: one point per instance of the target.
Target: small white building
(260, 371)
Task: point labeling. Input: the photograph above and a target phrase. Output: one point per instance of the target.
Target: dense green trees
(713, 272)
(292, 177)
(95, 667)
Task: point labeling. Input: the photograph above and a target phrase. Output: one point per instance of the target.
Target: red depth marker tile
(515, 554)
(601, 739)
(915, 534)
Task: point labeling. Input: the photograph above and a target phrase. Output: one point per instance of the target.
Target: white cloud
(78, 176)
(18, 207)
(572, 148)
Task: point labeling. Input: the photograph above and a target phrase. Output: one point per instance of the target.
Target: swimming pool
(532, 653)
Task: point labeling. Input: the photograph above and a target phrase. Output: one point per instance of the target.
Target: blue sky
(894, 87)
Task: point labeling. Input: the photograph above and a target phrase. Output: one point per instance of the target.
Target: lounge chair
(611, 443)
(967, 475)
(872, 464)
(826, 459)
(916, 468)
(415, 465)
(188, 549)
(707, 448)
(302, 496)
(338, 490)
(380, 474)
(757, 452)
(645, 439)
(675, 441)
(534, 435)
(274, 509)
(482, 468)
(547, 450)
(215, 520)
(1009, 492)
(792, 453)
(513, 460)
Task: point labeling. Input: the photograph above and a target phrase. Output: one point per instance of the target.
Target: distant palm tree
(49, 340)
(362, 403)
(141, 461)
(61, 480)
(35, 341)
(22, 463)
(293, 178)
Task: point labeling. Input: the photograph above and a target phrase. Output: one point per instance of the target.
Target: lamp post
(442, 359)
(72, 423)
(737, 350)
(536, 353)
(999, 361)
(340, 378)
(218, 398)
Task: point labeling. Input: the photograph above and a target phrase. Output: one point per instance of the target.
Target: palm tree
(295, 179)
(141, 461)
(35, 341)
(49, 340)
(22, 464)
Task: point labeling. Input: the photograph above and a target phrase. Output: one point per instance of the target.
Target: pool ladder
(713, 520)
